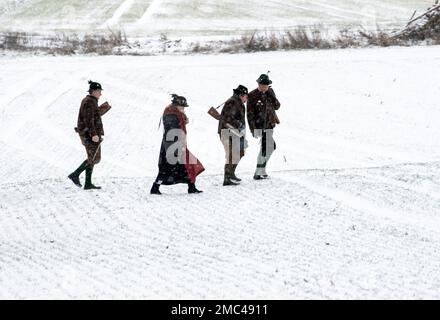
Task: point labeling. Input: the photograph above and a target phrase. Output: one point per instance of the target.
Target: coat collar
(90, 96)
(237, 98)
(183, 119)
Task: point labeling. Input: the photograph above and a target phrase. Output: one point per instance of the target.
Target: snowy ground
(351, 211)
(201, 18)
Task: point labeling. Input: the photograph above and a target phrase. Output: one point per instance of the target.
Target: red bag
(193, 166)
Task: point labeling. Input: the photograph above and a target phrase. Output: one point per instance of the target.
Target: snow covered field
(201, 18)
(352, 209)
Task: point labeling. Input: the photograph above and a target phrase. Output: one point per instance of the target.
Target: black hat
(179, 100)
(94, 86)
(264, 79)
(241, 90)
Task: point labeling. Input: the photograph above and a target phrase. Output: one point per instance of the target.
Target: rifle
(214, 113)
(275, 116)
(96, 152)
(103, 109)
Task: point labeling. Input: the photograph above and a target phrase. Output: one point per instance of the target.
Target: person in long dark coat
(176, 163)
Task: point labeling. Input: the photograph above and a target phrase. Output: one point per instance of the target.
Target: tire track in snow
(122, 243)
(317, 11)
(363, 205)
(10, 134)
(339, 9)
(151, 10)
(114, 20)
(23, 89)
(38, 107)
(346, 144)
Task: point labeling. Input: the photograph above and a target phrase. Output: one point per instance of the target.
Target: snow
(123, 8)
(351, 209)
(141, 18)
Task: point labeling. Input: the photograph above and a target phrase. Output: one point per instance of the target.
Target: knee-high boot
(74, 176)
(228, 175)
(89, 185)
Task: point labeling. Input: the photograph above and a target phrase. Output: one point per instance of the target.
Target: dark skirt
(170, 174)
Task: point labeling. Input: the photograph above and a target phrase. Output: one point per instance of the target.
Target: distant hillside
(196, 18)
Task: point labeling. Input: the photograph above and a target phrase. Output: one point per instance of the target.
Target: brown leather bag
(104, 108)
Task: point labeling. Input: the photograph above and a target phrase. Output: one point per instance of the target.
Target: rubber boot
(74, 176)
(228, 173)
(89, 185)
(233, 176)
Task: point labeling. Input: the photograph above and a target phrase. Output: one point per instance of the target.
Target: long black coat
(175, 167)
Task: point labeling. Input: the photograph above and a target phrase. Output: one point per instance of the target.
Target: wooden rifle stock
(214, 113)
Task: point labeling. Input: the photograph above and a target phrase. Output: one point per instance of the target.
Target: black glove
(271, 94)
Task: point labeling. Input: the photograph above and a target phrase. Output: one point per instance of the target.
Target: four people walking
(176, 163)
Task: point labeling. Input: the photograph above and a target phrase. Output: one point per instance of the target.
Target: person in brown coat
(90, 130)
(262, 119)
(232, 128)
